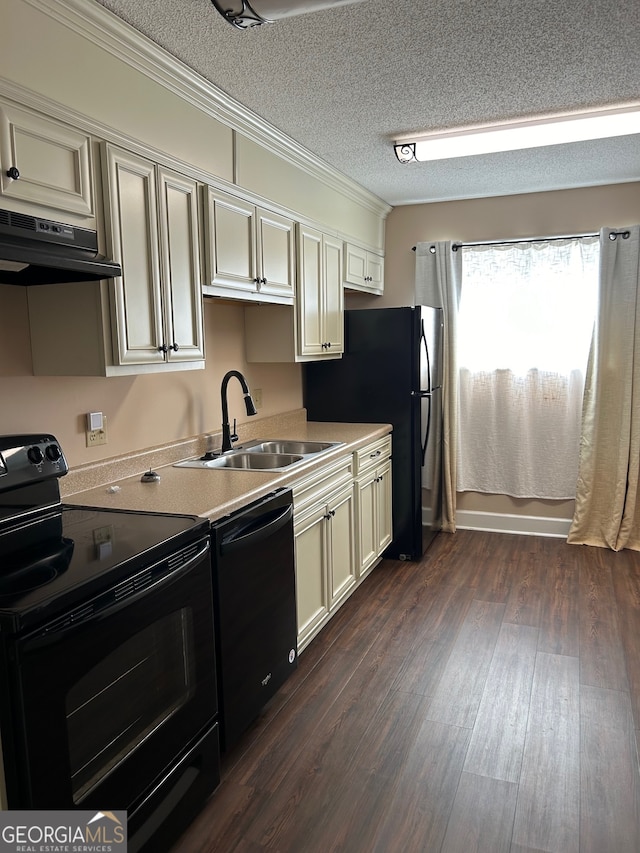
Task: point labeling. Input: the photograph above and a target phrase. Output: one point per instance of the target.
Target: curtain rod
(612, 236)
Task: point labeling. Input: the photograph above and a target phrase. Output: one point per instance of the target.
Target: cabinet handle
(163, 348)
(373, 455)
(329, 345)
(13, 173)
(263, 281)
(174, 346)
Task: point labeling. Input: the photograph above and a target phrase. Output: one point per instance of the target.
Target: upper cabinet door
(231, 242)
(180, 266)
(310, 303)
(50, 163)
(132, 231)
(333, 296)
(276, 254)
(355, 265)
(363, 270)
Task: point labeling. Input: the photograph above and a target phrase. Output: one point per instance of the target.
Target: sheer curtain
(607, 510)
(438, 278)
(524, 328)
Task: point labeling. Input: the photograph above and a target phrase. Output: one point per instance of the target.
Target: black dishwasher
(255, 607)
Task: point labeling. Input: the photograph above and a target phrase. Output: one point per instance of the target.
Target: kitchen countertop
(214, 493)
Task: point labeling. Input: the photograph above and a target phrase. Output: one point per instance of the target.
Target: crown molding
(108, 32)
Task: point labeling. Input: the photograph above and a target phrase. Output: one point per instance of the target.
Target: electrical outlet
(256, 396)
(96, 437)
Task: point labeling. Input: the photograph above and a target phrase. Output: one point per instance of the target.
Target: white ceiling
(346, 82)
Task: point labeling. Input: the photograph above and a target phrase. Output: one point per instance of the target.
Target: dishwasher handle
(257, 531)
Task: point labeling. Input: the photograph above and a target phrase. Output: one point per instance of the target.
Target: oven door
(107, 698)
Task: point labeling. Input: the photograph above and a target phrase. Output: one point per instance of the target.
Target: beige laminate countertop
(215, 492)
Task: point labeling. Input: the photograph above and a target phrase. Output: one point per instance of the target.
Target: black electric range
(53, 555)
(108, 694)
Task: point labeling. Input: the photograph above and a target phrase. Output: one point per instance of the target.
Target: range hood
(41, 251)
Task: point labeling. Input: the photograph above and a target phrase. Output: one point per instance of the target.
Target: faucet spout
(248, 402)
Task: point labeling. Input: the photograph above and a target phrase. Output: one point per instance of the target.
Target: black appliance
(255, 608)
(41, 251)
(107, 653)
(391, 372)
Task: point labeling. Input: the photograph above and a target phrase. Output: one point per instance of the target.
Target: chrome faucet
(227, 438)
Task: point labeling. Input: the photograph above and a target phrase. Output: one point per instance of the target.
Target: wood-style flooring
(485, 699)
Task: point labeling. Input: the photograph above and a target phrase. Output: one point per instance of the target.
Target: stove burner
(36, 571)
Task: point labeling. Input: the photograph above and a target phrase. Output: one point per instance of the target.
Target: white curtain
(524, 328)
(438, 277)
(607, 512)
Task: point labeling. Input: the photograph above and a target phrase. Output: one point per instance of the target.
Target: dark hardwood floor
(485, 699)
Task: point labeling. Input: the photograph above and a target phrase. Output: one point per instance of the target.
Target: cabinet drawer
(372, 454)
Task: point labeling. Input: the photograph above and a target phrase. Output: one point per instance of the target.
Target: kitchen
(155, 410)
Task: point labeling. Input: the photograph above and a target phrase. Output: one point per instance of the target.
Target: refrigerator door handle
(421, 393)
(427, 428)
(427, 359)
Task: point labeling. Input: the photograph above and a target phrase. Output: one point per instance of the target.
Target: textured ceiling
(345, 82)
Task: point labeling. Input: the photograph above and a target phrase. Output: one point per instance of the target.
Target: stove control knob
(34, 455)
(53, 452)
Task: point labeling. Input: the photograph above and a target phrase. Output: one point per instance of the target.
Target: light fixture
(513, 136)
(244, 15)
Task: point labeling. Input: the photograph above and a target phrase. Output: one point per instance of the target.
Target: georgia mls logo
(63, 832)
(115, 829)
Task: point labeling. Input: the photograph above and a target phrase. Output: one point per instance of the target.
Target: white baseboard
(528, 525)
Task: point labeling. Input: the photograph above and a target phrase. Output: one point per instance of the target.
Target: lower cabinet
(373, 508)
(325, 544)
(341, 528)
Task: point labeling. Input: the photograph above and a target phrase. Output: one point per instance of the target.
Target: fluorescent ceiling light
(513, 136)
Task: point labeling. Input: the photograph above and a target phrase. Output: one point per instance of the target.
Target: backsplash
(94, 474)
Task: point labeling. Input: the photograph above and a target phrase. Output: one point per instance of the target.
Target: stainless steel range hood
(41, 251)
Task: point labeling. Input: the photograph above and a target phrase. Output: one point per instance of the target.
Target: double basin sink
(271, 455)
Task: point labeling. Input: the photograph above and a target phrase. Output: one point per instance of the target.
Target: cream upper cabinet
(276, 251)
(45, 163)
(315, 328)
(149, 319)
(152, 229)
(363, 270)
(320, 300)
(180, 266)
(250, 252)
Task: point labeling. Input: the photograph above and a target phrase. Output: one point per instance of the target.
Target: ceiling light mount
(244, 15)
(242, 18)
(406, 152)
(518, 135)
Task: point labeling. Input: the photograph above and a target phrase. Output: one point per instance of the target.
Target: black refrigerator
(391, 372)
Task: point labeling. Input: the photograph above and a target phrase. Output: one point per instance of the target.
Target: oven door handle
(121, 595)
(256, 533)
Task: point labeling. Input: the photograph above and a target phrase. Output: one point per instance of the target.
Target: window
(524, 330)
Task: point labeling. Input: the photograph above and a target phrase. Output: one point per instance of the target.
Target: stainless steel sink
(284, 446)
(254, 461)
(271, 455)
(245, 460)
